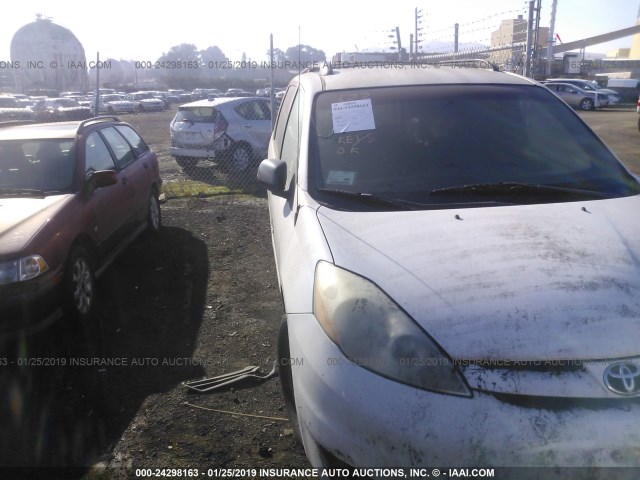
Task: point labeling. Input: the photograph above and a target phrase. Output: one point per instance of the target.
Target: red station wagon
(72, 196)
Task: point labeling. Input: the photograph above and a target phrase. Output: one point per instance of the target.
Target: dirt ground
(198, 301)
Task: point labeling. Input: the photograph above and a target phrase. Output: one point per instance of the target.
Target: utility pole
(527, 61)
(96, 100)
(398, 39)
(416, 38)
(456, 28)
(535, 55)
(550, 42)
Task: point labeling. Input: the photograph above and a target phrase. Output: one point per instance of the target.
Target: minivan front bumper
(366, 420)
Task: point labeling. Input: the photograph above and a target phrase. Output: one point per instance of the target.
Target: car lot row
(80, 106)
(74, 108)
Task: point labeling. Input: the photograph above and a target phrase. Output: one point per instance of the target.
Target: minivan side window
(291, 141)
(283, 118)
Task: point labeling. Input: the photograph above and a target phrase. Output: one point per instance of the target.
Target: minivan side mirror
(272, 173)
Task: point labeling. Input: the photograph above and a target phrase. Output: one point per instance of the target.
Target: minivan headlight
(23, 269)
(376, 334)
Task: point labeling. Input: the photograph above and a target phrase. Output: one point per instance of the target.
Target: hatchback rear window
(198, 115)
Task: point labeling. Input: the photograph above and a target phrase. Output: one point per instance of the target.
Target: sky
(142, 30)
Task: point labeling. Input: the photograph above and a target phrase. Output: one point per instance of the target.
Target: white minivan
(459, 270)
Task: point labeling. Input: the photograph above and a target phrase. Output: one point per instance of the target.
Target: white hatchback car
(233, 131)
(460, 273)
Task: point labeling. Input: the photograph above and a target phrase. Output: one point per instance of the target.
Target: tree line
(184, 66)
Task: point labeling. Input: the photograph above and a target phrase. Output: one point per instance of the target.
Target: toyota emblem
(623, 378)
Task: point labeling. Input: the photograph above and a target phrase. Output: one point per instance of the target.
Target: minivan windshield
(438, 145)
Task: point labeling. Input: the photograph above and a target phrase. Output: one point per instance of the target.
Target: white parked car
(232, 131)
(116, 103)
(146, 101)
(459, 270)
(12, 109)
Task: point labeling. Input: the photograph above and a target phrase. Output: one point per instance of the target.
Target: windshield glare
(43, 165)
(409, 141)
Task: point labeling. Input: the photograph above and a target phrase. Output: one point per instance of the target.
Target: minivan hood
(21, 218)
(531, 282)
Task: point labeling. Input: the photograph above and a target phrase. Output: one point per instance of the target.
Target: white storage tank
(51, 58)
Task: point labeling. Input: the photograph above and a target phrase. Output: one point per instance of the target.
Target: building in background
(634, 51)
(508, 42)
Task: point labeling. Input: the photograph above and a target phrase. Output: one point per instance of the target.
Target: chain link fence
(508, 58)
(218, 143)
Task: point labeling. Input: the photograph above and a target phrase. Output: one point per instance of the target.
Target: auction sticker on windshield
(352, 116)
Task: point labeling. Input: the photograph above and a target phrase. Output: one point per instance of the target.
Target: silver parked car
(611, 96)
(232, 131)
(575, 96)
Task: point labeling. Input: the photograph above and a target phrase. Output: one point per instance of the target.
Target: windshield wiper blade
(516, 188)
(372, 198)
